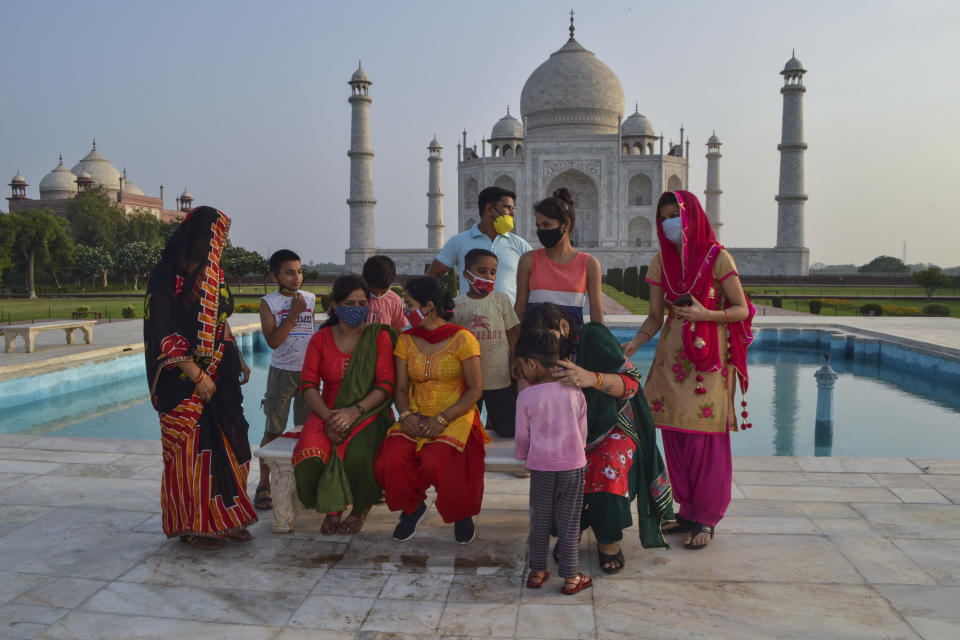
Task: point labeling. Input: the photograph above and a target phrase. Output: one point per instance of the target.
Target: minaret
(791, 199)
(713, 190)
(361, 202)
(435, 197)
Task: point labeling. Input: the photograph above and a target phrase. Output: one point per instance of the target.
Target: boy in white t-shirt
(286, 320)
(489, 315)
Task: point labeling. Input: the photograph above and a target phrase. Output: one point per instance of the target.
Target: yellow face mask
(503, 224)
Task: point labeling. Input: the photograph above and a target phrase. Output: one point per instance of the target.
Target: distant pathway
(612, 307)
(767, 310)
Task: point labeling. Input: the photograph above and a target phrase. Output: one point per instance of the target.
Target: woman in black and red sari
(195, 370)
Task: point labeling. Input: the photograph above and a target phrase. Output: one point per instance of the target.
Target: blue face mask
(673, 229)
(352, 316)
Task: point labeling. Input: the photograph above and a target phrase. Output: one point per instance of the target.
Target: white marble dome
(507, 127)
(100, 169)
(572, 91)
(793, 64)
(59, 184)
(637, 125)
(713, 139)
(130, 188)
(18, 179)
(360, 76)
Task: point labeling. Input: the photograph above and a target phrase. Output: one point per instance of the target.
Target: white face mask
(673, 229)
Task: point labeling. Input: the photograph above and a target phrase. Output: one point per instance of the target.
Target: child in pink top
(386, 306)
(551, 435)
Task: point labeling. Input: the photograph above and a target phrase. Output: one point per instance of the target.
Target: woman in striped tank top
(558, 273)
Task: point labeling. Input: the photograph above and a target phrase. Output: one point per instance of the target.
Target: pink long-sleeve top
(551, 427)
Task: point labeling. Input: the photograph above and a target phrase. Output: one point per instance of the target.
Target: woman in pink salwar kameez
(700, 357)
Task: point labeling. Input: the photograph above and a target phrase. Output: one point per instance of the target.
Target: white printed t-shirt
(488, 319)
(289, 354)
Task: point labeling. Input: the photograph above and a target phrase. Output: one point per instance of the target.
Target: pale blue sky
(244, 103)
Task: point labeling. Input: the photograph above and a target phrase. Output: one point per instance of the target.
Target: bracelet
(199, 378)
(359, 408)
(403, 416)
(442, 419)
(726, 319)
(599, 380)
(649, 337)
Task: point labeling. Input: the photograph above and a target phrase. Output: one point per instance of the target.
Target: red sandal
(583, 582)
(536, 579)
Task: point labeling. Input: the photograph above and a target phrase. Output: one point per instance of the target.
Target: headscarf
(690, 270)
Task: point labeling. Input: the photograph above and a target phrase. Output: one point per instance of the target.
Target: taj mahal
(572, 133)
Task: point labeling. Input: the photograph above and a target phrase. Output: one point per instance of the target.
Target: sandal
(680, 525)
(536, 579)
(331, 523)
(262, 499)
(239, 536)
(696, 530)
(616, 559)
(203, 543)
(353, 523)
(583, 582)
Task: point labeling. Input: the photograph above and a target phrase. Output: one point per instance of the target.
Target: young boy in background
(489, 315)
(286, 320)
(386, 307)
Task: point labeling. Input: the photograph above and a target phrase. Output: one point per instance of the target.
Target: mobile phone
(684, 300)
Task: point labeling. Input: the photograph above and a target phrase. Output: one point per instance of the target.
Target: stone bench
(29, 332)
(278, 454)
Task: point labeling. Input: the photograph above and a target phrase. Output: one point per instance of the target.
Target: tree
(95, 220)
(884, 264)
(141, 227)
(7, 233)
(643, 287)
(931, 279)
(39, 236)
(630, 286)
(237, 261)
(92, 261)
(137, 259)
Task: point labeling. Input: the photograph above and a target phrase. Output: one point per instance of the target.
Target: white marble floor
(810, 548)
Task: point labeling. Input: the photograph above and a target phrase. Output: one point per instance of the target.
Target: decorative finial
(61, 157)
(572, 28)
(94, 143)
(359, 64)
(636, 106)
(793, 52)
(508, 109)
(124, 173)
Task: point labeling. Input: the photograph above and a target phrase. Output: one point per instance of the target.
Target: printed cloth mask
(503, 224)
(550, 237)
(414, 317)
(481, 285)
(352, 316)
(673, 229)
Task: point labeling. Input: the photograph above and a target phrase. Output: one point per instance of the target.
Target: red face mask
(414, 317)
(481, 285)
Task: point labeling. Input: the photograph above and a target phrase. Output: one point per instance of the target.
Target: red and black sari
(206, 454)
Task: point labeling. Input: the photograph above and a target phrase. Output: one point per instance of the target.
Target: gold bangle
(599, 380)
(442, 419)
(403, 416)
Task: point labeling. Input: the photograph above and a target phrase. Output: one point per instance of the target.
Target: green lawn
(23, 310)
(841, 292)
(851, 307)
(634, 305)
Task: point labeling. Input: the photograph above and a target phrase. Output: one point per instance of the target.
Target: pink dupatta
(690, 270)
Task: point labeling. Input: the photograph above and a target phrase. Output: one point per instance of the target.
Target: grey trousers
(556, 497)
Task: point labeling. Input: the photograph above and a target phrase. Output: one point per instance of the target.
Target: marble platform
(810, 548)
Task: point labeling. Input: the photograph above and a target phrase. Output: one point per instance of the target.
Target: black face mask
(549, 237)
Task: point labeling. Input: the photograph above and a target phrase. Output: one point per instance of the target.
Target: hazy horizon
(245, 105)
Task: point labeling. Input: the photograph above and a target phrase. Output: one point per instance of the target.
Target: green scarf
(333, 490)
(599, 351)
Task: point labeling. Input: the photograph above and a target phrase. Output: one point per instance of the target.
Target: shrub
(247, 307)
(128, 312)
(936, 310)
(615, 278)
(325, 301)
(83, 308)
(815, 306)
(889, 310)
(642, 285)
(397, 290)
(777, 302)
(630, 285)
(871, 309)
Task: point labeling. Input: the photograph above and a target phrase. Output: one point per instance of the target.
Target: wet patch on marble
(336, 613)
(930, 521)
(413, 617)
(89, 625)
(351, 582)
(417, 586)
(677, 609)
(479, 620)
(485, 589)
(939, 558)
(573, 622)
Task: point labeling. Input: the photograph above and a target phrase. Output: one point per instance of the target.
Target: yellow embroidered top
(436, 383)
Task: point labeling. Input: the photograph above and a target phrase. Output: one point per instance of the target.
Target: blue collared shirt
(507, 246)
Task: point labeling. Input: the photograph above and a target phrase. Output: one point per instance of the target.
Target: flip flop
(239, 536)
(582, 583)
(202, 542)
(352, 524)
(536, 581)
(331, 523)
(606, 558)
(696, 530)
(681, 525)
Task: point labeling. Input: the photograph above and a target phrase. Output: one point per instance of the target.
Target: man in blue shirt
(492, 233)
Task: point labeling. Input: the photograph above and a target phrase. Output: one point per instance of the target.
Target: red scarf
(433, 336)
(690, 270)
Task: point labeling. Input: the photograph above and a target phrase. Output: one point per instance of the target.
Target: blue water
(878, 411)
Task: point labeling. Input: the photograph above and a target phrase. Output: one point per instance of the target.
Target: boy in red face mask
(490, 316)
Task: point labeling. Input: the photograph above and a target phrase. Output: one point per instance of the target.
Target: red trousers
(405, 473)
(701, 473)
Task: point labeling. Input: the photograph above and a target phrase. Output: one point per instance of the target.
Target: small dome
(186, 195)
(637, 125)
(100, 169)
(507, 127)
(18, 179)
(714, 139)
(360, 76)
(793, 64)
(435, 144)
(58, 182)
(130, 188)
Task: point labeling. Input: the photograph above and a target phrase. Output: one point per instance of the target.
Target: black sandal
(696, 530)
(614, 558)
(682, 526)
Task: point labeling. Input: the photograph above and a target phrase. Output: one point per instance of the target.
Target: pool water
(878, 411)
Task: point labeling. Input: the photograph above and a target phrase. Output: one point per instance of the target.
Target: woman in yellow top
(438, 438)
